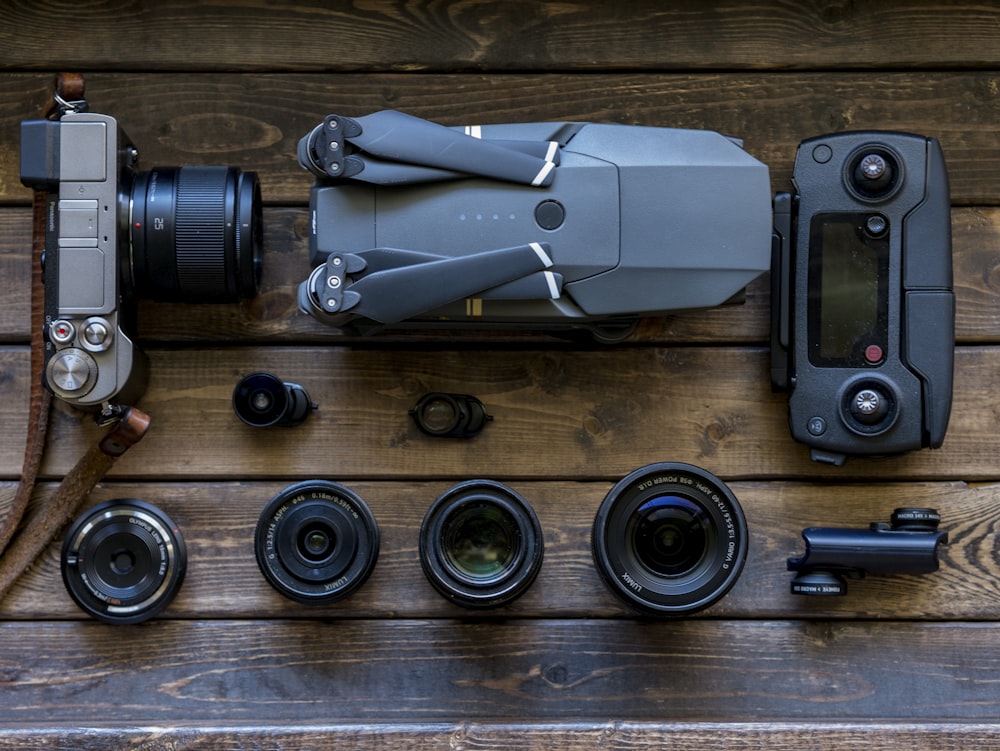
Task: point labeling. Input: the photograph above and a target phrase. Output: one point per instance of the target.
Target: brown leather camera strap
(52, 514)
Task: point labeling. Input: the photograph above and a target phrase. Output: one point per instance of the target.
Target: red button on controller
(874, 354)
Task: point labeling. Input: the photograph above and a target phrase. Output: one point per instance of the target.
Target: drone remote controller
(863, 312)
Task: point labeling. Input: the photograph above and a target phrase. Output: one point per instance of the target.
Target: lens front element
(670, 535)
(481, 544)
(480, 541)
(123, 561)
(316, 542)
(670, 539)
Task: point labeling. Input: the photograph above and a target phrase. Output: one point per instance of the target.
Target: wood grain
(580, 414)
(523, 736)
(480, 35)
(419, 671)
(254, 121)
(218, 521)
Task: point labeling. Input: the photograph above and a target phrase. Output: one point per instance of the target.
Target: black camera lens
(670, 539)
(262, 400)
(196, 234)
(481, 544)
(123, 561)
(316, 542)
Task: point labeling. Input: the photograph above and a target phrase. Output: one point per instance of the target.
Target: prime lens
(123, 561)
(196, 234)
(316, 542)
(481, 544)
(670, 539)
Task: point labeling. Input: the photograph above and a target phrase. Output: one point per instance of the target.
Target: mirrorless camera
(113, 234)
(549, 225)
(863, 312)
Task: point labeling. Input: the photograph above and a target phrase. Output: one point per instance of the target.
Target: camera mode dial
(71, 372)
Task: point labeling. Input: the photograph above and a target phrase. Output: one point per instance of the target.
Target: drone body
(610, 223)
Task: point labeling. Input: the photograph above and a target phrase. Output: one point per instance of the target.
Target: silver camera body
(81, 161)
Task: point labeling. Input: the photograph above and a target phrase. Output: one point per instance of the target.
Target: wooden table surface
(901, 662)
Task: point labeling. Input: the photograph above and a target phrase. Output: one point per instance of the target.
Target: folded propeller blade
(391, 295)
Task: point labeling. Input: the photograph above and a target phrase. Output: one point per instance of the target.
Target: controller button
(550, 215)
(61, 332)
(97, 335)
(822, 154)
(874, 354)
(816, 426)
(876, 225)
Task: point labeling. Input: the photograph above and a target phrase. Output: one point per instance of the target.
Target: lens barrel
(123, 561)
(196, 234)
(670, 539)
(481, 544)
(316, 542)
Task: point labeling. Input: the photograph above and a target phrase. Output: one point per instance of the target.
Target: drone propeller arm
(338, 147)
(420, 283)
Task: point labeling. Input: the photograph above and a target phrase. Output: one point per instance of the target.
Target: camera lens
(670, 539)
(196, 234)
(123, 561)
(481, 544)
(262, 400)
(316, 542)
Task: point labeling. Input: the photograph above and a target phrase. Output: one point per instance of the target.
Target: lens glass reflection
(481, 540)
(669, 535)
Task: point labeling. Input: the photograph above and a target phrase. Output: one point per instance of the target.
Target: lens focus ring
(200, 234)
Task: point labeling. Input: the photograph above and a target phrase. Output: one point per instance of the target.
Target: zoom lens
(670, 539)
(123, 561)
(481, 544)
(316, 542)
(196, 234)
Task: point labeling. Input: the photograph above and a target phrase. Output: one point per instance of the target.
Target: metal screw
(333, 282)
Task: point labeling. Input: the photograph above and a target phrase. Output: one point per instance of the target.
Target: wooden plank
(274, 316)
(561, 736)
(310, 35)
(585, 414)
(494, 671)
(218, 521)
(254, 121)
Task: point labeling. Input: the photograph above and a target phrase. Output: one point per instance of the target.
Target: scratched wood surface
(902, 662)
